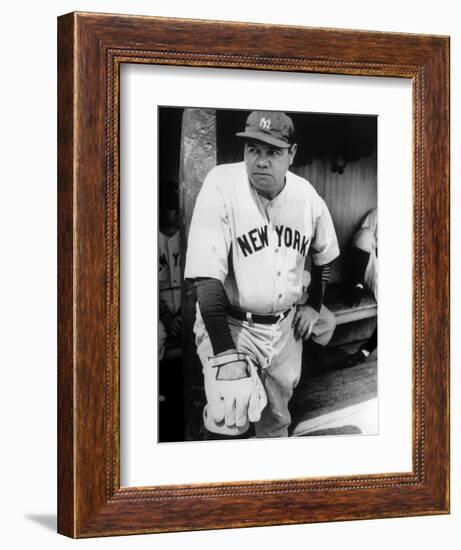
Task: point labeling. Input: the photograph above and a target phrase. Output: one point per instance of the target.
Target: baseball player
(169, 269)
(364, 258)
(253, 225)
(364, 272)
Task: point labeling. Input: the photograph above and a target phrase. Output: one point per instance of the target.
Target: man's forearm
(320, 275)
(213, 305)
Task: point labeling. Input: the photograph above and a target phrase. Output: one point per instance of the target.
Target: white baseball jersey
(371, 273)
(257, 247)
(169, 271)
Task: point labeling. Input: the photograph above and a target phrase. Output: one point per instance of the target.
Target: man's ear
(293, 150)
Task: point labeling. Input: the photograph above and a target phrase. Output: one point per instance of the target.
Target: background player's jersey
(370, 221)
(257, 248)
(371, 273)
(169, 271)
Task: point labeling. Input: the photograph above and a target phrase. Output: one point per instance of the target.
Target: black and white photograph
(190, 341)
(267, 274)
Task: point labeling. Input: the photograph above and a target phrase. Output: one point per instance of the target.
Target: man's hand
(173, 324)
(232, 371)
(304, 321)
(235, 401)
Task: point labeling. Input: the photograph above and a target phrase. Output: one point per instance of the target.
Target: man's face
(267, 165)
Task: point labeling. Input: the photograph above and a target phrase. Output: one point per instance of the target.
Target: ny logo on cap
(265, 123)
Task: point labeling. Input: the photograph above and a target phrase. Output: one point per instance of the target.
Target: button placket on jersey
(277, 264)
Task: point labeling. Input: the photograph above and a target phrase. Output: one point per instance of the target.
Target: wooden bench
(334, 301)
(353, 324)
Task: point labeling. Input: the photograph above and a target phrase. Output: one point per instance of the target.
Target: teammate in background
(169, 269)
(364, 272)
(253, 225)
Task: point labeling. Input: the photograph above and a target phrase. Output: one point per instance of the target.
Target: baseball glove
(232, 403)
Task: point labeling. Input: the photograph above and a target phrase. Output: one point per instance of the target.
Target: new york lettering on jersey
(256, 239)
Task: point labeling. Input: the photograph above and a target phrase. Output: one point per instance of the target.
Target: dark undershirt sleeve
(320, 276)
(213, 305)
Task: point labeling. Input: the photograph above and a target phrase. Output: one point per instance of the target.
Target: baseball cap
(273, 127)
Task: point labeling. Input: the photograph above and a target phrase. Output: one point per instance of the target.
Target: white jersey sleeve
(371, 221)
(324, 243)
(209, 239)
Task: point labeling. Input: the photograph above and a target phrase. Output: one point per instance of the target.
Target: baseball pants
(274, 349)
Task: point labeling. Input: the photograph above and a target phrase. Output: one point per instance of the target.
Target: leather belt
(257, 318)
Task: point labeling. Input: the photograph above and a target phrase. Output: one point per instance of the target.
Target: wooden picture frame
(92, 48)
